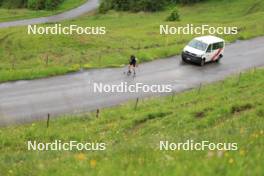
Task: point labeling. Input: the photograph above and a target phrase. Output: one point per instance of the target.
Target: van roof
(209, 39)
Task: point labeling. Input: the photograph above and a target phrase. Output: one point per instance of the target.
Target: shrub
(13, 3)
(186, 1)
(104, 7)
(174, 16)
(52, 4)
(36, 4)
(133, 5)
(139, 5)
(32, 4)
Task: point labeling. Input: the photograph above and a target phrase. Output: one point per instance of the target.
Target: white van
(204, 49)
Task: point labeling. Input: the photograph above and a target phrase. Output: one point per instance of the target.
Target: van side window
(209, 49)
(218, 45)
(221, 45)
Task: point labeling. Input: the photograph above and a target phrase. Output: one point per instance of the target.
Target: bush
(52, 4)
(185, 1)
(32, 4)
(36, 4)
(13, 3)
(133, 5)
(104, 7)
(148, 5)
(174, 16)
(139, 5)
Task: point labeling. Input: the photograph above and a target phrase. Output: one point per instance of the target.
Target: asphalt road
(86, 7)
(26, 101)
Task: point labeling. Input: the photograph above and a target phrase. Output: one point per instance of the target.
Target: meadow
(229, 111)
(25, 56)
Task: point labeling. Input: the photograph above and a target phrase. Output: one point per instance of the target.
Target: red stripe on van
(217, 54)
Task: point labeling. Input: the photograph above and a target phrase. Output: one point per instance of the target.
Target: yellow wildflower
(231, 161)
(242, 152)
(80, 157)
(93, 163)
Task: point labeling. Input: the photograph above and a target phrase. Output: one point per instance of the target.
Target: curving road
(86, 7)
(26, 101)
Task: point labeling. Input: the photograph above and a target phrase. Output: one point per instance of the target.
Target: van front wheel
(202, 62)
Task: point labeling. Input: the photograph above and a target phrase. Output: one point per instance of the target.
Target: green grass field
(226, 111)
(24, 56)
(17, 14)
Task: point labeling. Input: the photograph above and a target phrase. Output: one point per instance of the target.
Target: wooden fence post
(47, 60)
(173, 96)
(97, 113)
(136, 105)
(239, 78)
(200, 87)
(223, 83)
(48, 120)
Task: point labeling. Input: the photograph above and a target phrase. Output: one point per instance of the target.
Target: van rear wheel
(219, 58)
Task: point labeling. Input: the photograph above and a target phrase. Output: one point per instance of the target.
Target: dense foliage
(139, 5)
(174, 16)
(32, 4)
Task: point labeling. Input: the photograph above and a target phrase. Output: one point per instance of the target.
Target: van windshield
(198, 45)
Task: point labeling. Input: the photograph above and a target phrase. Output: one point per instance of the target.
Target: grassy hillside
(24, 57)
(16, 14)
(227, 111)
